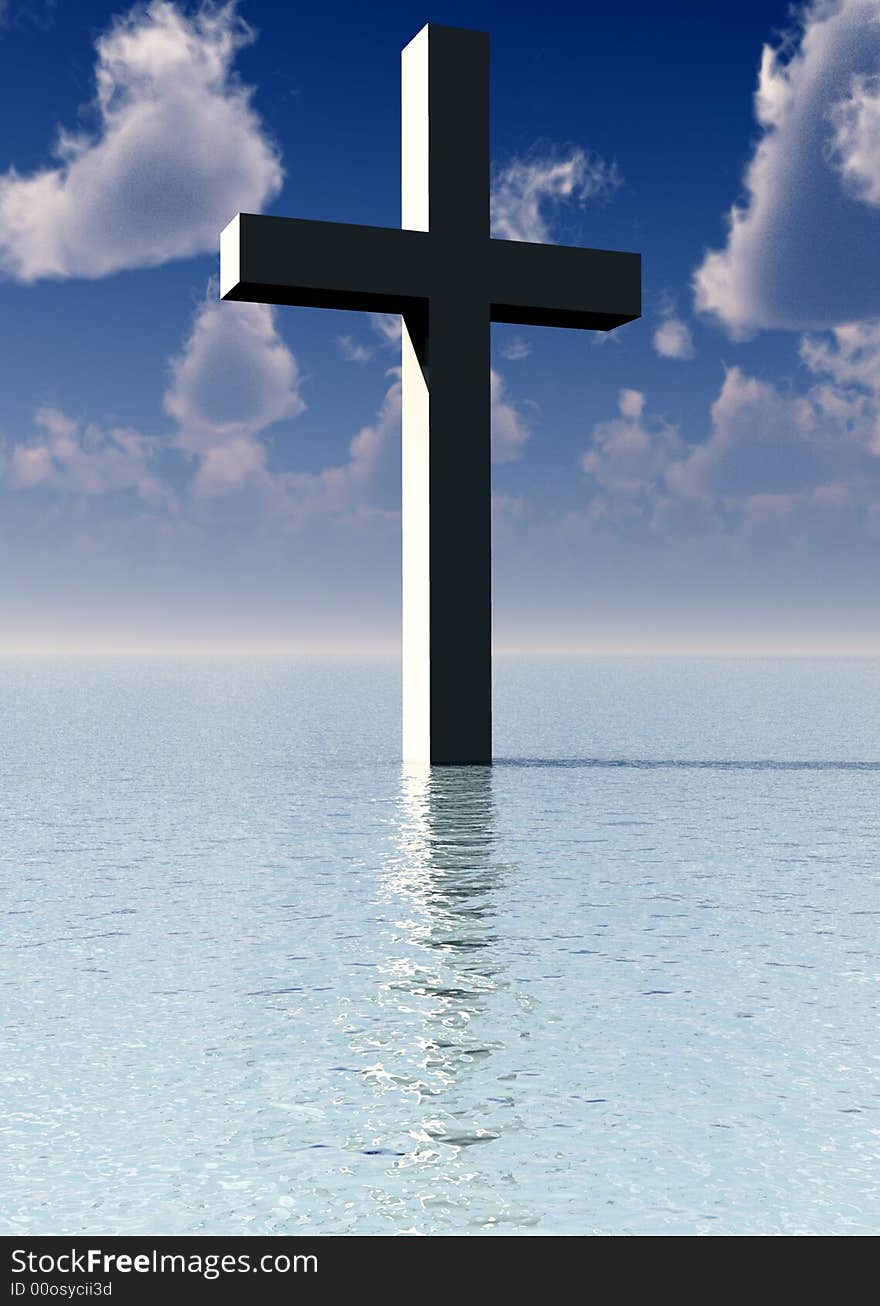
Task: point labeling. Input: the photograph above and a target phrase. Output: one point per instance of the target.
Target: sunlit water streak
(258, 979)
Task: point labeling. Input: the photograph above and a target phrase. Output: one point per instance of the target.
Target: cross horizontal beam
(268, 260)
(558, 285)
(388, 270)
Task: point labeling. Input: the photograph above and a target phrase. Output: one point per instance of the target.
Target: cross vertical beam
(447, 567)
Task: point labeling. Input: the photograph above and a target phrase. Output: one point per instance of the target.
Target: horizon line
(219, 650)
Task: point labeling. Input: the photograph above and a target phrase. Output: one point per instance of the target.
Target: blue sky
(179, 473)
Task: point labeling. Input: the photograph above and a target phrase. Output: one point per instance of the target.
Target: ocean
(259, 979)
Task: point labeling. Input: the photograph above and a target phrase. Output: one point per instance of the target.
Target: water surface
(256, 979)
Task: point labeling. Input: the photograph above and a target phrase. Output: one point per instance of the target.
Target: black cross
(448, 279)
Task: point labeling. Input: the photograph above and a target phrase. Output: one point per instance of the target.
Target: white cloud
(761, 442)
(388, 326)
(87, 459)
(847, 393)
(234, 377)
(851, 354)
(177, 149)
(352, 351)
(630, 454)
(673, 339)
(801, 249)
(631, 404)
(856, 141)
(523, 191)
(510, 424)
(515, 350)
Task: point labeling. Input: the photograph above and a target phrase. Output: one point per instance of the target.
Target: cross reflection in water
(446, 972)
